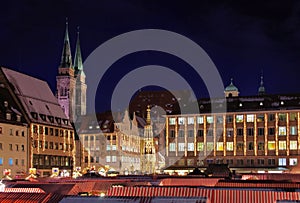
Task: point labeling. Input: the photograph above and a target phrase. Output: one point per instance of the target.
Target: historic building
(256, 133)
(70, 81)
(50, 135)
(13, 136)
(109, 144)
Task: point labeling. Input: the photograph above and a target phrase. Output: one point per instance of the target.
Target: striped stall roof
(24, 190)
(209, 182)
(214, 195)
(8, 197)
(256, 184)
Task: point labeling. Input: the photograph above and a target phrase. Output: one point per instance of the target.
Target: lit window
(10, 161)
(209, 146)
(261, 146)
(250, 118)
(107, 159)
(293, 161)
(293, 116)
(200, 146)
(190, 120)
(172, 147)
(114, 147)
(282, 162)
(240, 146)
(113, 159)
(229, 146)
(293, 145)
(210, 119)
(282, 117)
(293, 130)
(239, 118)
(190, 147)
(282, 130)
(108, 147)
(282, 145)
(200, 120)
(219, 146)
(172, 121)
(181, 120)
(260, 118)
(181, 147)
(271, 145)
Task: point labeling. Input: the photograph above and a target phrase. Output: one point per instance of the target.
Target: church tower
(65, 80)
(148, 149)
(80, 101)
(231, 90)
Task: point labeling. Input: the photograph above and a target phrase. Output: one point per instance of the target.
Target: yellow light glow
(224, 133)
(266, 134)
(234, 135)
(255, 135)
(288, 134)
(245, 137)
(276, 134)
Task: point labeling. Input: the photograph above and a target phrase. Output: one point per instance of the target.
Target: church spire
(78, 59)
(261, 89)
(66, 58)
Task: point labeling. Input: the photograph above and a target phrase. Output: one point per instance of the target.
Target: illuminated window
(181, 120)
(219, 119)
(200, 120)
(282, 162)
(114, 159)
(200, 146)
(10, 161)
(240, 146)
(293, 116)
(219, 146)
(172, 147)
(250, 118)
(282, 130)
(293, 130)
(181, 147)
(271, 145)
(282, 145)
(209, 146)
(190, 120)
(114, 147)
(293, 161)
(210, 119)
(108, 147)
(260, 118)
(239, 118)
(172, 121)
(293, 145)
(191, 147)
(108, 159)
(229, 146)
(282, 116)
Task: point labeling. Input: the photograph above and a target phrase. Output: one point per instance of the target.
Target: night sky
(243, 38)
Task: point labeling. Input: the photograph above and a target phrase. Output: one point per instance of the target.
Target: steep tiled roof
(36, 97)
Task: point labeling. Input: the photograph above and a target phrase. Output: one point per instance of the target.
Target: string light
(266, 134)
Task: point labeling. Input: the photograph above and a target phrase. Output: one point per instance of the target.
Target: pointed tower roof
(66, 58)
(261, 89)
(78, 59)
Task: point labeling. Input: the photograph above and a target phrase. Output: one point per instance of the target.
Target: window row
(282, 131)
(97, 137)
(229, 146)
(250, 118)
(51, 131)
(13, 147)
(51, 145)
(11, 162)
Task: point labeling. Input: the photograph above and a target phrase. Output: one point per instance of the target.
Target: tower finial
(261, 89)
(148, 120)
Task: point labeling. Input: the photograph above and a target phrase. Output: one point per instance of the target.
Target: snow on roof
(35, 95)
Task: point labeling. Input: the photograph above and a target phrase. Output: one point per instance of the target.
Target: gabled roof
(36, 98)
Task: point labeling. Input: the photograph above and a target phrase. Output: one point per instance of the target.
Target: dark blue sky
(241, 37)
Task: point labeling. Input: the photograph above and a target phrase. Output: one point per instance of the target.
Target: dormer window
(43, 117)
(51, 119)
(34, 115)
(58, 120)
(5, 104)
(18, 118)
(8, 116)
